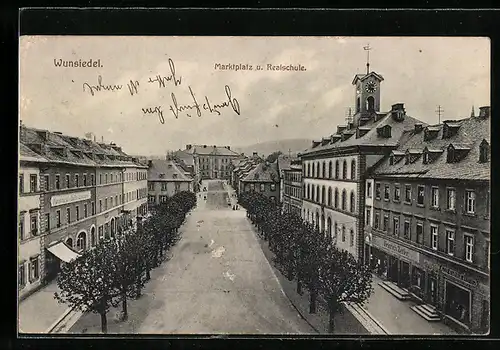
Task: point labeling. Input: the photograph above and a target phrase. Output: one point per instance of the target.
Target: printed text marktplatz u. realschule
(272, 67)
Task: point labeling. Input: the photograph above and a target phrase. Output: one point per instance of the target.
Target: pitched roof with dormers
(206, 150)
(467, 139)
(263, 172)
(349, 138)
(166, 170)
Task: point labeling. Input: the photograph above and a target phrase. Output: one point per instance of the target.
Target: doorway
(393, 269)
(405, 275)
(432, 291)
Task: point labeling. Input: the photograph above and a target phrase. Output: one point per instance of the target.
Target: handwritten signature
(196, 107)
(100, 86)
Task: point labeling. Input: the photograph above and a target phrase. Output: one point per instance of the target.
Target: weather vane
(367, 48)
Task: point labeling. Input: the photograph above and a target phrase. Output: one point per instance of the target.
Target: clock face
(371, 87)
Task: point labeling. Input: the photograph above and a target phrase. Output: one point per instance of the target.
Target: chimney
(340, 128)
(255, 154)
(484, 112)
(418, 128)
(188, 146)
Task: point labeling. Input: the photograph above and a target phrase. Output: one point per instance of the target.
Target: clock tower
(367, 92)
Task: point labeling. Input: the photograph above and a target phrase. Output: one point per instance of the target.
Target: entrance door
(393, 269)
(432, 291)
(405, 275)
(52, 265)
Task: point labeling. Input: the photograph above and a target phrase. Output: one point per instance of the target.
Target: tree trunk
(312, 300)
(148, 273)
(104, 322)
(333, 310)
(299, 286)
(124, 306)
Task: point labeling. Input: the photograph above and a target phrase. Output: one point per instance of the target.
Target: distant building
(187, 162)
(240, 169)
(334, 167)
(283, 165)
(292, 188)
(263, 178)
(428, 220)
(166, 178)
(211, 162)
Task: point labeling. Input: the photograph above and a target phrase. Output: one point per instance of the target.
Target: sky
(266, 105)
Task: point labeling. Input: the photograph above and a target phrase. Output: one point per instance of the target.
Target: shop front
(395, 262)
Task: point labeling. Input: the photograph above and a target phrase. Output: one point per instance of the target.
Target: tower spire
(367, 48)
(472, 112)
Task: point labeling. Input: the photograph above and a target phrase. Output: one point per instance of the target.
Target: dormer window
(384, 131)
(162, 176)
(484, 151)
(450, 129)
(391, 159)
(450, 157)
(174, 176)
(426, 158)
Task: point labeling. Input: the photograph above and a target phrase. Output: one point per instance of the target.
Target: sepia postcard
(254, 185)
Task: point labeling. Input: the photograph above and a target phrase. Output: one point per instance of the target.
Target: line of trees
(117, 269)
(304, 253)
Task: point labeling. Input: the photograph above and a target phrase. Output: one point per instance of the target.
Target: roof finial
(472, 115)
(367, 48)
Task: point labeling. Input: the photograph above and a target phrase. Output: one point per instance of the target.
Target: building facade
(80, 193)
(428, 220)
(334, 168)
(292, 188)
(212, 162)
(263, 178)
(166, 178)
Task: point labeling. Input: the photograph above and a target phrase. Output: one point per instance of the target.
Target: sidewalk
(40, 310)
(345, 323)
(398, 317)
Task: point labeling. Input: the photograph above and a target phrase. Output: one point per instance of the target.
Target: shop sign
(459, 276)
(396, 249)
(62, 199)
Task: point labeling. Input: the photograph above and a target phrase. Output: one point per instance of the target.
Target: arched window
(330, 170)
(312, 192)
(336, 199)
(323, 195)
(329, 203)
(344, 169)
(318, 170)
(370, 104)
(337, 170)
(322, 225)
(353, 169)
(317, 220)
(313, 169)
(112, 227)
(317, 194)
(309, 169)
(353, 202)
(69, 242)
(92, 236)
(335, 230)
(343, 233)
(324, 170)
(358, 104)
(344, 200)
(351, 237)
(81, 241)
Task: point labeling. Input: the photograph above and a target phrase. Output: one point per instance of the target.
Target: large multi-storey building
(30, 249)
(166, 178)
(428, 220)
(81, 193)
(333, 168)
(212, 162)
(292, 188)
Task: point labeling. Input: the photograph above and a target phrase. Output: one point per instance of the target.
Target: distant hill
(266, 148)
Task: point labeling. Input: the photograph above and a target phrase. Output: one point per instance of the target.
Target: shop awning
(63, 252)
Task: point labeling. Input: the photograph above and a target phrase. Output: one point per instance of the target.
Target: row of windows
(431, 238)
(260, 187)
(292, 176)
(325, 226)
(78, 180)
(320, 195)
(33, 229)
(29, 271)
(433, 201)
(293, 191)
(326, 171)
(164, 186)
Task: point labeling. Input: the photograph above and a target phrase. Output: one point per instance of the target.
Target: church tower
(367, 93)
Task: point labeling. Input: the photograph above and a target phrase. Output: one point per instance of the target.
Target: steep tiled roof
(263, 172)
(166, 170)
(186, 157)
(471, 132)
(371, 138)
(59, 148)
(26, 154)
